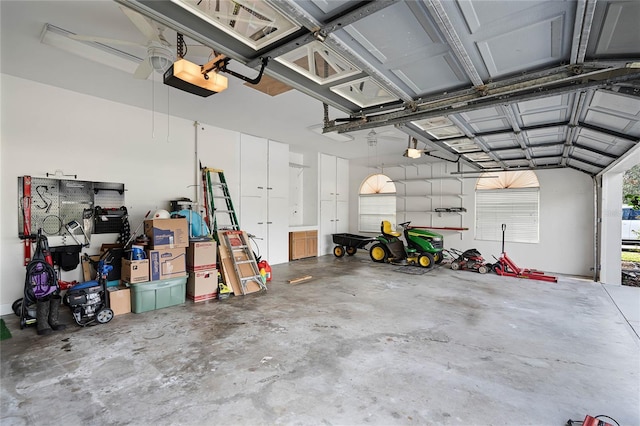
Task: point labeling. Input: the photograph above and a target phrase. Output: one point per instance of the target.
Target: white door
(253, 220)
(327, 226)
(278, 231)
(342, 217)
(278, 170)
(342, 179)
(327, 177)
(253, 165)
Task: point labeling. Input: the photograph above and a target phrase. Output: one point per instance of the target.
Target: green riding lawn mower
(424, 248)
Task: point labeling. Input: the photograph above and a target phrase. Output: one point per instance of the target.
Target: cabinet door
(342, 179)
(327, 226)
(277, 231)
(253, 221)
(342, 217)
(253, 165)
(297, 245)
(311, 241)
(278, 170)
(327, 177)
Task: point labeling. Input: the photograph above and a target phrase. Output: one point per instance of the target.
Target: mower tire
(438, 257)
(425, 260)
(104, 316)
(484, 269)
(455, 266)
(338, 251)
(378, 253)
(351, 250)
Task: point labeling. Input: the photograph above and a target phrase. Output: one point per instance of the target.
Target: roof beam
(446, 27)
(582, 29)
(497, 96)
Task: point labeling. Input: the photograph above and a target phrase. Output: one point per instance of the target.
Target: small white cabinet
(264, 195)
(334, 199)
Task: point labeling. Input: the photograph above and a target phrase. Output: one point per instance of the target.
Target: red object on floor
(592, 421)
(263, 264)
(508, 268)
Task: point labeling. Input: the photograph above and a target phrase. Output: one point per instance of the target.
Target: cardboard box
(202, 285)
(165, 264)
(119, 300)
(135, 271)
(201, 256)
(167, 233)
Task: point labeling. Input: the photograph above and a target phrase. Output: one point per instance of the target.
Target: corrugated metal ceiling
(498, 85)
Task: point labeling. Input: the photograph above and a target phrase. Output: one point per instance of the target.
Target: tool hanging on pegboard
(25, 204)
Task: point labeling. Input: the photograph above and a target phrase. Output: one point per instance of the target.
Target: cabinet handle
(332, 220)
(261, 187)
(260, 223)
(337, 220)
(268, 187)
(269, 223)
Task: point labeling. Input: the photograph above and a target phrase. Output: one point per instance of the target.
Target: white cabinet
(334, 200)
(264, 196)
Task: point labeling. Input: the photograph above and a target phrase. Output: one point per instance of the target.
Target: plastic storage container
(159, 294)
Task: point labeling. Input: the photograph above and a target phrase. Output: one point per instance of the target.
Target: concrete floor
(360, 343)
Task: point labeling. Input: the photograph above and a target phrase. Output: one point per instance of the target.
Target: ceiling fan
(160, 53)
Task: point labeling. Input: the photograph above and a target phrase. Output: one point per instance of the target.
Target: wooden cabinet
(303, 244)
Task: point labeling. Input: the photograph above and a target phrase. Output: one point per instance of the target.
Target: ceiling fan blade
(103, 40)
(144, 70)
(143, 24)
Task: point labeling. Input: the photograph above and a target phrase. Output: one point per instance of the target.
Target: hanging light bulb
(372, 138)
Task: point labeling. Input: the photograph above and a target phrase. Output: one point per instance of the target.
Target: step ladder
(244, 262)
(216, 189)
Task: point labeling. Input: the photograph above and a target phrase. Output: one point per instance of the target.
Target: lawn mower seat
(385, 228)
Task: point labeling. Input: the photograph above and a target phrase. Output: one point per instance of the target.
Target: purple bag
(41, 278)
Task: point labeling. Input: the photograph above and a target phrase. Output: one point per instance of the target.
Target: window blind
(517, 208)
(375, 208)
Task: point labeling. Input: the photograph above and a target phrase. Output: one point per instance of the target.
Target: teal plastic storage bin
(152, 295)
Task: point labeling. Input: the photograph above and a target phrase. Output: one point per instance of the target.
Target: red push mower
(507, 267)
(468, 260)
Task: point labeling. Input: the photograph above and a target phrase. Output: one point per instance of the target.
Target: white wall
(46, 128)
(566, 219)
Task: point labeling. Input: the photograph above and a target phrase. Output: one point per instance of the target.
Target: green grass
(631, 256)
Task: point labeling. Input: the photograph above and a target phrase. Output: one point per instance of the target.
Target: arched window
(377, 203)
(510, 198)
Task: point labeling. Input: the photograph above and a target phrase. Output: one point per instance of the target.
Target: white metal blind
(375, 208)
(517, 208)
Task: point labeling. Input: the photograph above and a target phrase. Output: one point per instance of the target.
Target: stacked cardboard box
(168, 240)
(202, 283)
(120, 300)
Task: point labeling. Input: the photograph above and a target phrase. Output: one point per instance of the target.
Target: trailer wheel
(378, 253)
(425, 260)
(351, 251)
(338, 251)
(455, 266)
(483, 269)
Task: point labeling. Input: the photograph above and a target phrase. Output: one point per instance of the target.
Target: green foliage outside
(631, 256)
(631, 187)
